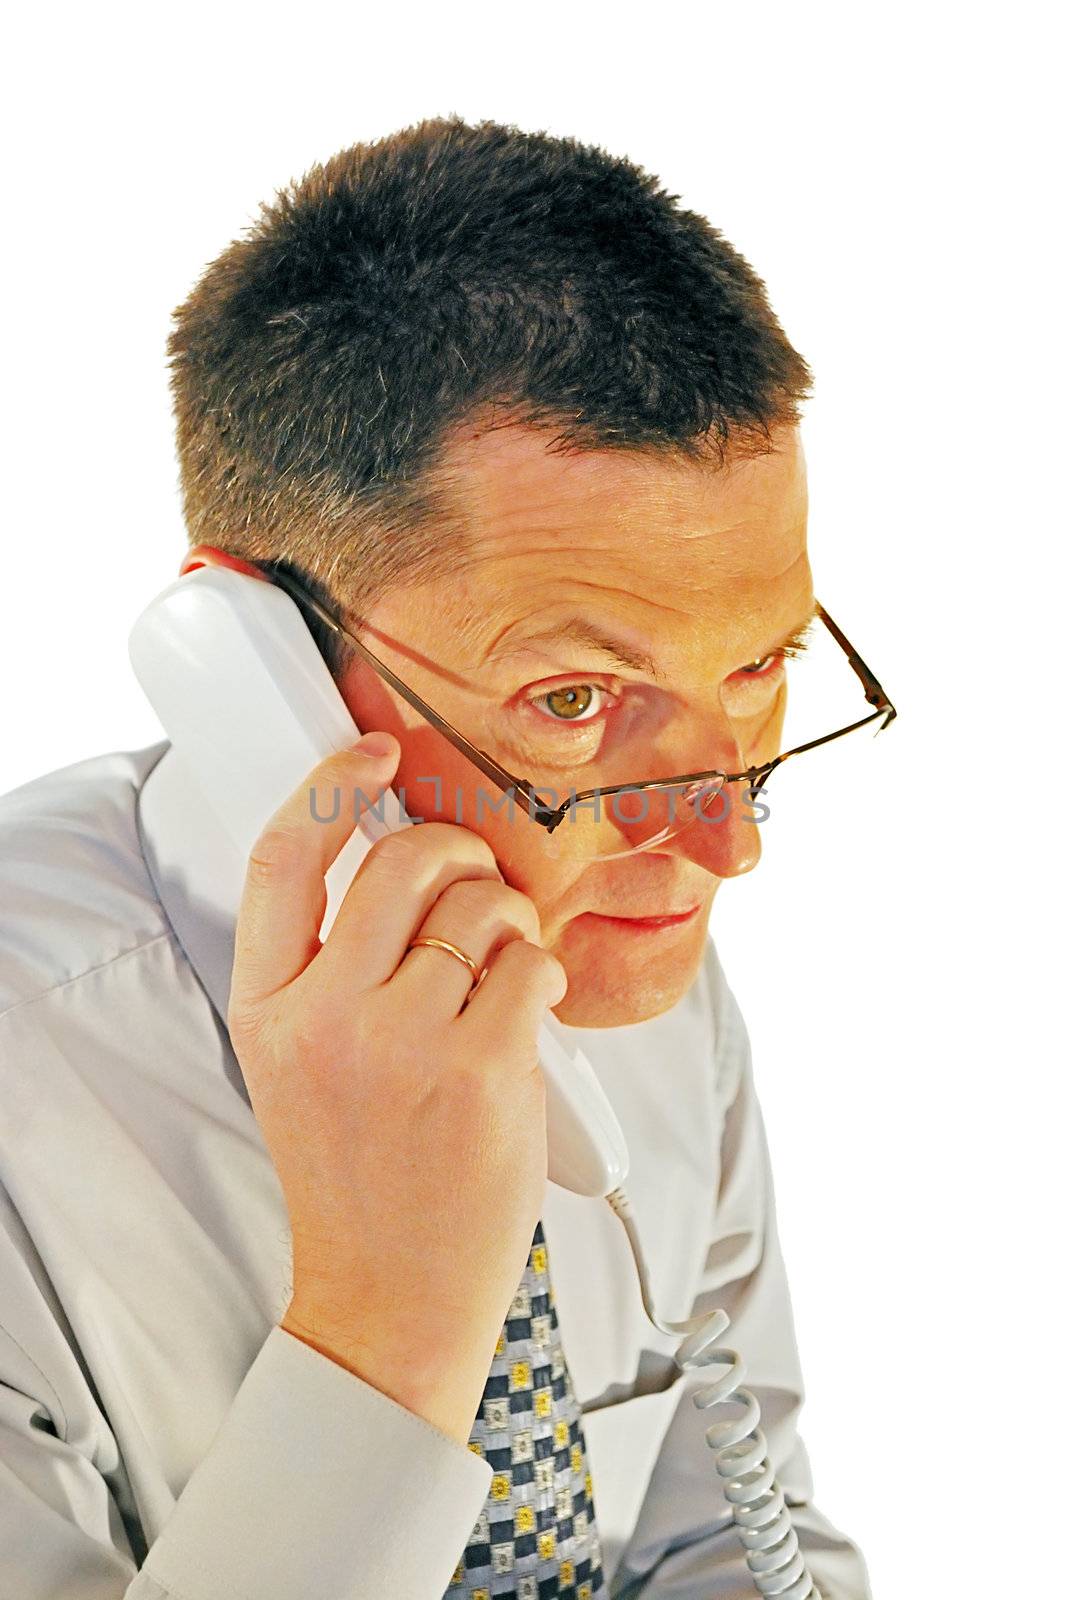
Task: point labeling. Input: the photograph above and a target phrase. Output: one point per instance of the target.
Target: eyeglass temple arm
(875, 694)
(490, 768)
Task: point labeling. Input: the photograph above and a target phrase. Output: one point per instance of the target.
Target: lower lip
(647, 924)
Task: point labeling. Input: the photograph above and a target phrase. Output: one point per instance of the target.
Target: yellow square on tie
(520, 1375)
(500, 1486)
(524, 1519)
(547, 1544)
(561, 1435)
(567, 1572)
(539, 1259)
(543, 1404)
(576, 1460)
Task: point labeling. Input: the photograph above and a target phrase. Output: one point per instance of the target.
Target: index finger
(284, 897)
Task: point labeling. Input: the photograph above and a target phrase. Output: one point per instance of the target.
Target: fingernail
(375, 745)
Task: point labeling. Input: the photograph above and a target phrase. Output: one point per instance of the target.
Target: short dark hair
(446, 273)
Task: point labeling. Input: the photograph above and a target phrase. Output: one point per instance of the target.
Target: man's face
(698, 566)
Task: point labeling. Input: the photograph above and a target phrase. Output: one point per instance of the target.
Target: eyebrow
(796, 639)
(583, 631)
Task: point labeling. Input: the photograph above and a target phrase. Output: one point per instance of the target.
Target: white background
(891, 172)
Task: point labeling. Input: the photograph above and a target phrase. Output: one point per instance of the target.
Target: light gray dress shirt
(161, 1438)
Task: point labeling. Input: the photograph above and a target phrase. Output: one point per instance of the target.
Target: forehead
(535, 515)
(676, 553)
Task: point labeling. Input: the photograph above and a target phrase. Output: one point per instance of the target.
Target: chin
(617, 976)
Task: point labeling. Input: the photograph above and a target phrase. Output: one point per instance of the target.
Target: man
(286, 1303)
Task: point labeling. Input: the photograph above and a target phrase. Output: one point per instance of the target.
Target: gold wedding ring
(444, 944)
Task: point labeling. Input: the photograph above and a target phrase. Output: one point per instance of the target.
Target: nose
(724, 839)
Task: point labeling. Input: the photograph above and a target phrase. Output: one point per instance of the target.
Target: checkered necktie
(536, 1537)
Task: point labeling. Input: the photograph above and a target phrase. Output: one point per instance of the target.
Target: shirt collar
(195, 873)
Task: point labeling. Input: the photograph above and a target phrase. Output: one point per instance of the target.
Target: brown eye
(759, 666)
(569, 703)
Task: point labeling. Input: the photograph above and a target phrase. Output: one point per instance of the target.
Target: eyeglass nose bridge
(696, 794)
(754, 777)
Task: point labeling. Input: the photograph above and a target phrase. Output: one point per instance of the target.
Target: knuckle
(473, 1086)
(533, 964)
(392, 849)
(467, 1082)
(246, 1025)
(464, 898)
(527, 915)
(320, 1047)
(275, 853)
(433, 842)
(341, 766)
(342, 770)
(489, 900)
(518, 908)
(398, 861)
(452, 839)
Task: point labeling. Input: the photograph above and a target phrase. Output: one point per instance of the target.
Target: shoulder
(75, 892)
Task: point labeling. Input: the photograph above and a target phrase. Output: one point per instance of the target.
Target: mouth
(675, 919)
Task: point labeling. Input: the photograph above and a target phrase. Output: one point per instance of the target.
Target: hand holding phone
(249, 706)
(405, 1120)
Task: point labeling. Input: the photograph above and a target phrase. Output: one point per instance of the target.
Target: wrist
(446, 1394)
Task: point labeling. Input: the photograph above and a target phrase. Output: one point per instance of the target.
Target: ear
(207, 555)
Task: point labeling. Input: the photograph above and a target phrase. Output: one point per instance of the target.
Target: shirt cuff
(316, 1483)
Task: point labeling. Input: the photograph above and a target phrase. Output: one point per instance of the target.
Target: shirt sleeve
(315, 1483)
(685, 1545)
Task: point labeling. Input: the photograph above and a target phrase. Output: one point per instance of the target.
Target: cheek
(440, 783)
(463, 796)
(525, 865)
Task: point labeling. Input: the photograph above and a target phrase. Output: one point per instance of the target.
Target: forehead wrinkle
(652, 553)
(519, 514)
(559, 599)
(591, 517)
(677, 548)
(595, 626)
(534, 592)
(500, 479)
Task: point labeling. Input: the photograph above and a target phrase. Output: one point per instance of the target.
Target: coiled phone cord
(762, 1518)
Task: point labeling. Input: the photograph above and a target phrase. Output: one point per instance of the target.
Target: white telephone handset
(244, 695)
